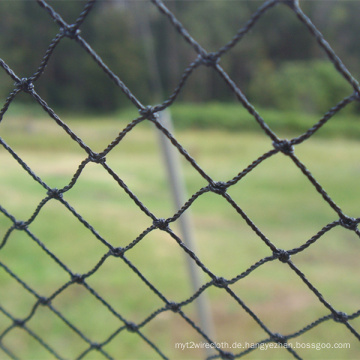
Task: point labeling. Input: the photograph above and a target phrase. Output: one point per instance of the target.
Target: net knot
(220, 282)
(161, 224)
(282, 255)
(173, 306)
(218, 187)
(44, 301)
(356, 95)
(279, 339)
(349, 223)
(340, 317)
(96, 346)
(284, 146)
(77, 278)
(225, 355)
(209, 59)
(97, 158)
(20, 225)
(70, 31)
(117, 252)
(132, 327)
(148, 112)
(19, 322)
(25, 84)
(55, 193)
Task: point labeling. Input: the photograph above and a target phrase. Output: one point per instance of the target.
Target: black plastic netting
(99, 346)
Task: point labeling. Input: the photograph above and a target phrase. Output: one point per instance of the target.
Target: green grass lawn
(276, 196)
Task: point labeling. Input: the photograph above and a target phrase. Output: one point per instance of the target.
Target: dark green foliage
(302, 86)
(286, 123)
(278, 64)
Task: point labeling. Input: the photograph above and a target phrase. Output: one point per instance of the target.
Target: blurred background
(282, 71)
(278, 65)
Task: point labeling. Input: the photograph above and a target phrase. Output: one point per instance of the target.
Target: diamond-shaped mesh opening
(18, 300)
(179, 331)
(280, 217)
(38, 25)
(60, 337)
(96, 193)
(99, 326)
(278, 296)
(128, 302)
(147, 180)
(76, 246)
(162, 261)
(22, 343)
(337, 261)
(238, 243)
(340, 184)
(19, 254)
(127, 342)
(335, 334)
(5, 322)
(20, 194)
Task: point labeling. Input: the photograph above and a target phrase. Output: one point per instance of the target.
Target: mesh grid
(151, 114)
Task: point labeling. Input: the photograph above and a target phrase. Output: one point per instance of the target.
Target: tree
(277, 44)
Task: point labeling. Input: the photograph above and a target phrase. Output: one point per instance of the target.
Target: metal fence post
(175, 176)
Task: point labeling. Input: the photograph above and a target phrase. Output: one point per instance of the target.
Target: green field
(276, 196)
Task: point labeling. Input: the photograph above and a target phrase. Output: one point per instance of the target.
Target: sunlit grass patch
(275, 196)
